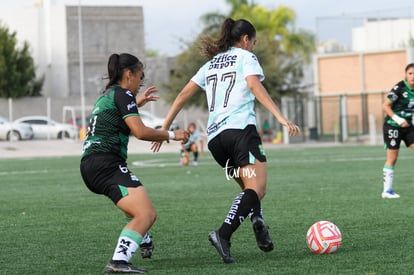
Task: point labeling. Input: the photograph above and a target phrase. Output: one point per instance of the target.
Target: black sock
(195, 156)
(239, 210)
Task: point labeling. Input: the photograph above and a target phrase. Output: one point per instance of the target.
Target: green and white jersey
(230, 102)
(107, 130)
(402, 99)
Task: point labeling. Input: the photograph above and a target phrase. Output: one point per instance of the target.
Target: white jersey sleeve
(230, 102)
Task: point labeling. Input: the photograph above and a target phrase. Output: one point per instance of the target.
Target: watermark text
(234, 173)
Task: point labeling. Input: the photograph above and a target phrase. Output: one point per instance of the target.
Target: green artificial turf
(52, 224)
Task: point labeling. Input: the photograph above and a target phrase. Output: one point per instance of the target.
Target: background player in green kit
(103, 166)
(231, 80)
(399, 108)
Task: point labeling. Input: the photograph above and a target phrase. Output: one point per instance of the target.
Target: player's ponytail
(226, 40)
(118, 63)
(230, 33)
(113, 70)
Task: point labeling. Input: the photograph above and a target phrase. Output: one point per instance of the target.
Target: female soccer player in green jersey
(103, 166)
(398, 126)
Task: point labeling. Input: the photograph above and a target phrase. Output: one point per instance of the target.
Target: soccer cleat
(389, 194)
(146, 249)
(122, 267)
(222, 246)
(262, 234)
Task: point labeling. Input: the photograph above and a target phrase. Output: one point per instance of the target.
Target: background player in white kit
(194, 145)
(231, 81)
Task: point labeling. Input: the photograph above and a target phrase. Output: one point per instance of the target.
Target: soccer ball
(323, 237)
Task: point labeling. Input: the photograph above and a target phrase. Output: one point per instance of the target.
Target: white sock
(388, 172)
(127, 245)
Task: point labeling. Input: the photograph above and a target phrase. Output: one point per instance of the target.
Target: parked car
(14, 131)
(155, 122)
(44, 127)
(149, 120)
(78, 122)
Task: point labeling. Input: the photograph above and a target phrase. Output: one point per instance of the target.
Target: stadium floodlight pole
(81, 76)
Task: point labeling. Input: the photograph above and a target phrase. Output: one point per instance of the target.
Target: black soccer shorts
(237, 148)
(108, 175)
(394, 135)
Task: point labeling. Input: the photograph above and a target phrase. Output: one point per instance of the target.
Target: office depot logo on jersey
(223, 61)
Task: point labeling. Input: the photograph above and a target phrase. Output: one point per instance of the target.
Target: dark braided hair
(118, 63)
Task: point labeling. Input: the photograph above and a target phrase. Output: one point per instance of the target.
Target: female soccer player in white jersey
(231, 80)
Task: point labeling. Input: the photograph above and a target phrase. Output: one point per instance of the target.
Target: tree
(17, 70)
(186, 64)
(281, 50)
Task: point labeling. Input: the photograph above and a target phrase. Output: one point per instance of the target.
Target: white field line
(147, 163)
(328, 159)
(165, 163)
(31, 172)
(202, 162)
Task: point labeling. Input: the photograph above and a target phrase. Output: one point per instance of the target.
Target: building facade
(52, 30)
(105, 30)
(350, 87)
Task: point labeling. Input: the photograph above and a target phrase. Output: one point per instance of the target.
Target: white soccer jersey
(230, 102)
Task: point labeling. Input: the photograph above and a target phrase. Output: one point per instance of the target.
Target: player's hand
(147, 96)
(405, 124)
(156, 146)
(293, 129)
(181, 135)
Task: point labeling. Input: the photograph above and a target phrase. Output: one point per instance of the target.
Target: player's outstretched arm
(264, 98)
(188, 91)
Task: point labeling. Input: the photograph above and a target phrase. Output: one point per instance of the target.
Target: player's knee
(148, 217)
(152, 216)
